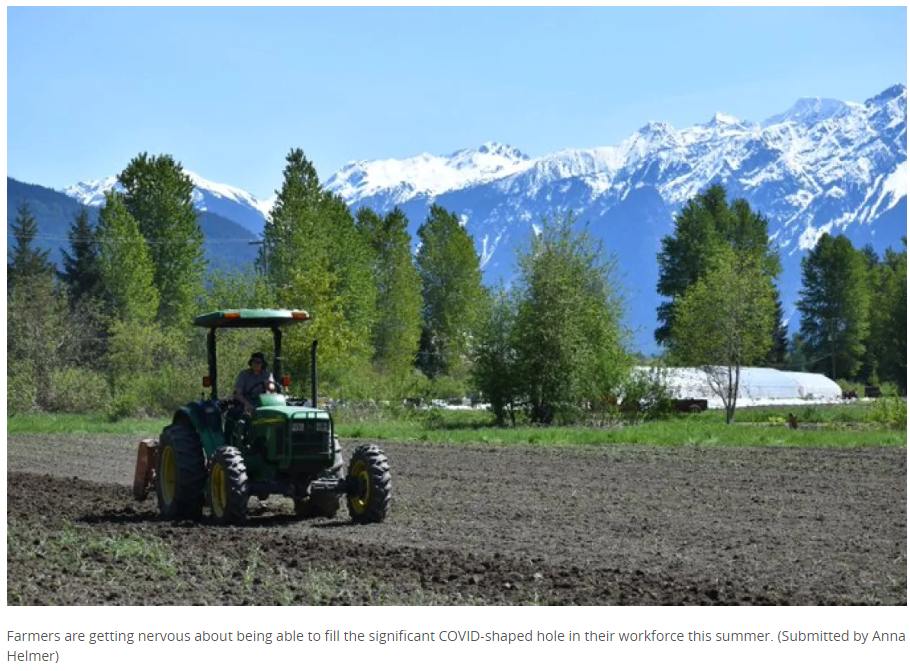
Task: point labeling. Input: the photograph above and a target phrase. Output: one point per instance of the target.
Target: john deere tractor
(214, 454)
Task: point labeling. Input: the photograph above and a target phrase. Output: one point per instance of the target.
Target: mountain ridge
(823, 165)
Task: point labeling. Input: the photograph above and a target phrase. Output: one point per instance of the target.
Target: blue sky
(228, 91)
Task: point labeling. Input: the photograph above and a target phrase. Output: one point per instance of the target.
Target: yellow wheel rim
(218, 486)
(359, 503)
(168, 475)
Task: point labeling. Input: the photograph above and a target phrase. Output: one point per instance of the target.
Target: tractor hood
(273, 410)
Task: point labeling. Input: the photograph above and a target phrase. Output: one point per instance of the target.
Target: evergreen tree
(835, 306)
(780, 341)
(26, 261)
(890, 308)
(396, 330)
(126, 265)
(452, 288)
(81, 270)
(886, 342)
(159, 196)
(724, 322)
(705, 225)
(568, 335)
(876, 280)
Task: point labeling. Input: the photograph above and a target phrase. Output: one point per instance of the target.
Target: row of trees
(130, 285)
(854, 312)
(719, 268)
(112, 327)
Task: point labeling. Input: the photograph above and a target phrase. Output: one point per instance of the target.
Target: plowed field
(476, 525)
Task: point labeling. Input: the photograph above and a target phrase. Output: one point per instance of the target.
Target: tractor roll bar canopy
(245, 318)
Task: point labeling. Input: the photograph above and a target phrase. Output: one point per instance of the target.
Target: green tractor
(215, 454)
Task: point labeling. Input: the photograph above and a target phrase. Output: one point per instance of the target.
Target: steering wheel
(267, 387)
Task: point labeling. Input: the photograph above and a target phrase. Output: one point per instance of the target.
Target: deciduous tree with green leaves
(316, 259)
(885, 359)
(495, 373)
(126, 265)
(396, 330)
(453, 291)
(834, 304)
(570, 342)
(158, 194)
(724, 322)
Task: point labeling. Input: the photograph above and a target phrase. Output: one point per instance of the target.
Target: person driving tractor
(253, 382)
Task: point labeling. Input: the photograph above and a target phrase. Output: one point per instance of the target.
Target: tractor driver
(252, 382)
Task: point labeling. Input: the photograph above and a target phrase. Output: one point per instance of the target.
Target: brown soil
(478, 525)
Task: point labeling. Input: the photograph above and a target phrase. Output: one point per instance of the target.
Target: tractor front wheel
(229, 490)
(371, 484)
(181, 473)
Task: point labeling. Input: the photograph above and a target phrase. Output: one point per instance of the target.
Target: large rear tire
(229, 487)
(181, 473)
(369, 468)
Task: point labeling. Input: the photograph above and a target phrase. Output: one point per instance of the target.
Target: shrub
(21, 387)
(890, 412)
(889, 389)
(77, 390)
(857, 387)
(123, 405)
(647, 395)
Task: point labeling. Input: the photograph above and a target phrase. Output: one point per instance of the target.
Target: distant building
(757, 386)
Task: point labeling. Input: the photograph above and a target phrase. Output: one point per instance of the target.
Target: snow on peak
(92, 192)
(656, 129)
(721, 119)
(809, 111)
(427, 174)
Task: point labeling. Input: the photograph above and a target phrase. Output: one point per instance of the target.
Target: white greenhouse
(757, 386)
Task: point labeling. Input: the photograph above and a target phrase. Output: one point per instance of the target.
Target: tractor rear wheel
(181, 473)
(229, 488)
(369, 470)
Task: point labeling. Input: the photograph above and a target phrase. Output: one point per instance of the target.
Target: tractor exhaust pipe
(313, 370)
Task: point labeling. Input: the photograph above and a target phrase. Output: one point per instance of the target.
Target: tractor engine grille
(311, 438)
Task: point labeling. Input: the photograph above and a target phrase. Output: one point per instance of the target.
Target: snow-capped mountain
(426, 175)
(227, 201)
(823, 165)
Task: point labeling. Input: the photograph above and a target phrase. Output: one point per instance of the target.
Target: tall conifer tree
(835, 306)
(26, 261)
(81, 272)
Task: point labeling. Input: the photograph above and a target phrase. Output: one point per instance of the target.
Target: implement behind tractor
(214, 454)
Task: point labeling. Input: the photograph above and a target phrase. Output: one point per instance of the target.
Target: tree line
(110, 330)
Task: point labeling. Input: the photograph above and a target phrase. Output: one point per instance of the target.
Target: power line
(143, 240)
